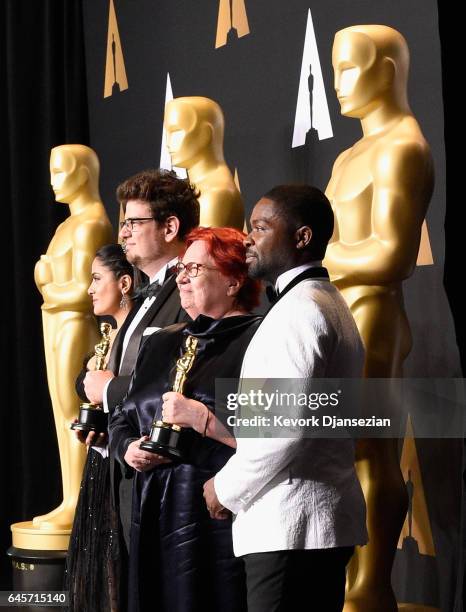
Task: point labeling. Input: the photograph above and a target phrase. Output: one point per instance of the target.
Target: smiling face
(105, 289)
(360, 78)
(210, 293)
(270, 245)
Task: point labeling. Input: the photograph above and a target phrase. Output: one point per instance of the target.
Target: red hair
(225, 246)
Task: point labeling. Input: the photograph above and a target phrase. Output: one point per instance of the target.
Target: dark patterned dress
(93, 565)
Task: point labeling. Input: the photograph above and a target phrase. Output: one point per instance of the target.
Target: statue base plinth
(28, 536)
(37, 570)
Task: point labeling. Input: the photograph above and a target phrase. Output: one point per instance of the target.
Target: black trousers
(295, 580)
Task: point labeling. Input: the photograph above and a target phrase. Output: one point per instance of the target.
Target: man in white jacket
(298, 505)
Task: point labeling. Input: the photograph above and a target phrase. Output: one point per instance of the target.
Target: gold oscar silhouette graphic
(417, 525)
(415, 556)
(115, 73)
(425, 257)
(232, 22)
(380, 189)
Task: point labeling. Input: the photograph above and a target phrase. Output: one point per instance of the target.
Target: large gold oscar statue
(62, 276)
(380, 189)
(195, 128)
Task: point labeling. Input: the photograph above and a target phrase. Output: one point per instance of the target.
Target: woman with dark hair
(93, 568)
(180, 558)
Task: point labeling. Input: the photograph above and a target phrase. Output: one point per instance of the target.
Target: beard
(269, 268)
(135, 260)
(256, 270)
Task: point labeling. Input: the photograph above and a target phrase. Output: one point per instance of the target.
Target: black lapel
(132, 350)
(115, 353)
(317, 273)
(167, 289)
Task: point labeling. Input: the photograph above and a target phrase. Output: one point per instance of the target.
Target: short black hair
(305, 205)
(166, 194)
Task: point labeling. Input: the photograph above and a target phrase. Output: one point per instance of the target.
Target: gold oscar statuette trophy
(91, 416)
(167, 439)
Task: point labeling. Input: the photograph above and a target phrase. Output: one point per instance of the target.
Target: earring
(123, 301)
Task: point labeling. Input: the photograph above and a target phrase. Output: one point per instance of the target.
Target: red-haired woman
(180, 558)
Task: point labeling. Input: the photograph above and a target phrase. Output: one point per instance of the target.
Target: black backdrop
(43, 99)
(43, 104)
(255, 79)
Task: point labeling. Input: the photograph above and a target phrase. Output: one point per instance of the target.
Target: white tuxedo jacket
(296, 492)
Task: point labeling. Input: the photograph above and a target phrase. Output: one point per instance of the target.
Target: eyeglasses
(192, 269)
(133, 224)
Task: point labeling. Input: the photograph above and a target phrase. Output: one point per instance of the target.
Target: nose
(248, 241)
(182, 278)
(90, 289)
(124, 232)
(336, 82)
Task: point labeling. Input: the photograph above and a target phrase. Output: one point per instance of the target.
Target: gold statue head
(195, 128)
(371, 65)
(74, 169)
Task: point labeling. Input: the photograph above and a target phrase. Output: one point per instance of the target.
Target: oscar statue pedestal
(38, 558)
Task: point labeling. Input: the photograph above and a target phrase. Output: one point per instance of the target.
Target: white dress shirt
(160, 277)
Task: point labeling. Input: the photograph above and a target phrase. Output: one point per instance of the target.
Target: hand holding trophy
(166, 439)
(91, 416)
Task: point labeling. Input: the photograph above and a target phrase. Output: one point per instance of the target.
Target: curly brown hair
(166, 194)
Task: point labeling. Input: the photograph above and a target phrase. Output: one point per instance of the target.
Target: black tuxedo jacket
(164, 311)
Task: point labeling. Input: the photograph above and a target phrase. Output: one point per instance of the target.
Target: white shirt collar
(285, 279)
(160, 276)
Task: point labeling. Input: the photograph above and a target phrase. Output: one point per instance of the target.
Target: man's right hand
(141, 460)
(94, 384)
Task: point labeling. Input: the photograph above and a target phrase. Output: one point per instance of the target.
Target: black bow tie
(271, 293)
(148, 290)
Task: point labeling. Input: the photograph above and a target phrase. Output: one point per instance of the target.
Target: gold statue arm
(73, 292)
(43, 272)
(398, 207)
(329, 193)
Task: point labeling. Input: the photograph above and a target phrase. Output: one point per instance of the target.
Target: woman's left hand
(180, 410)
